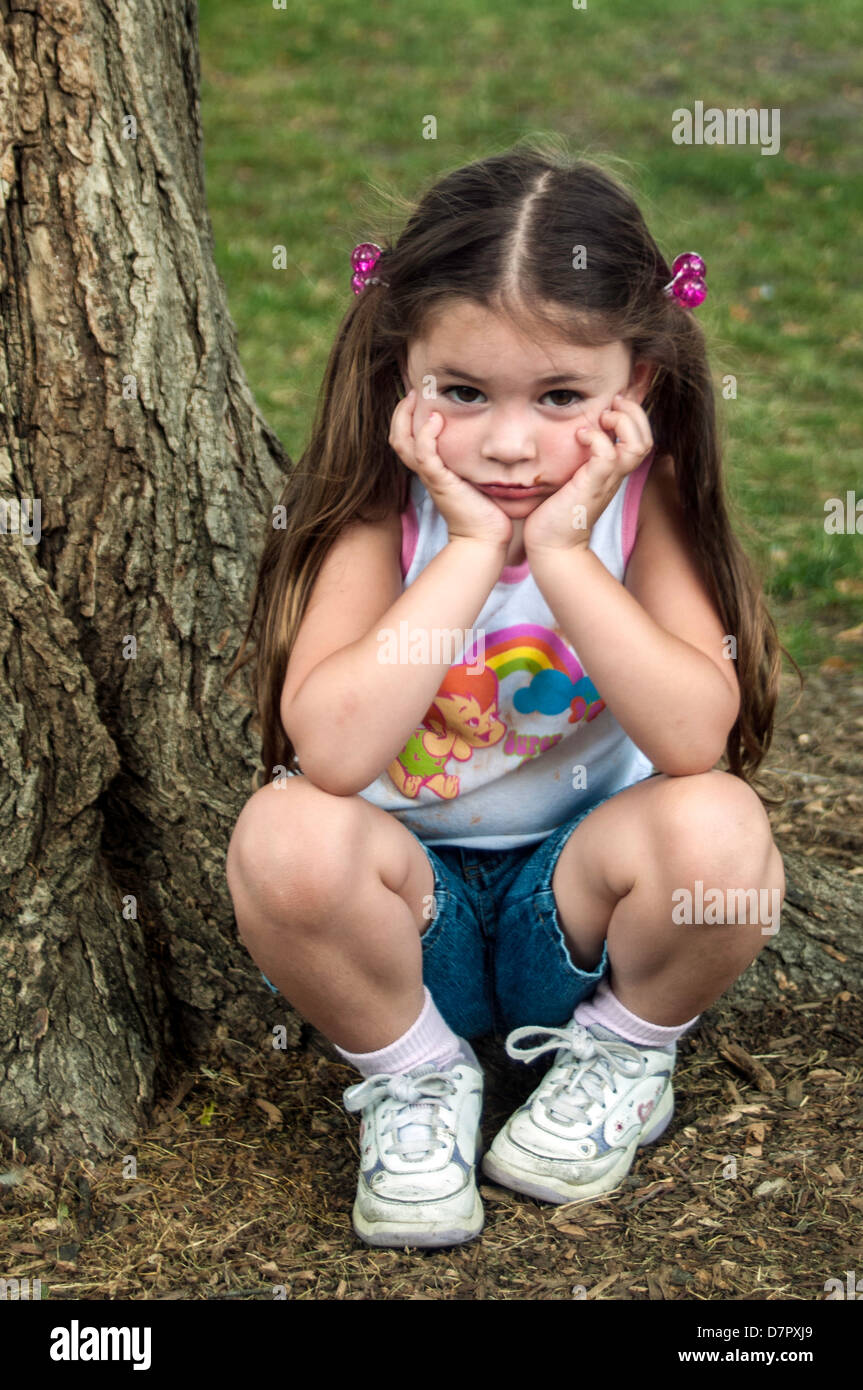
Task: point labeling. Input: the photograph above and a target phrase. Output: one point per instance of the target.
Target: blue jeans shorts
(494, 957)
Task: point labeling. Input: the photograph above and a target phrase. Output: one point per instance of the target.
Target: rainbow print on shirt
(465, 713)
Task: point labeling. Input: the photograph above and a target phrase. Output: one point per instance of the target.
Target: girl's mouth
(507, 492)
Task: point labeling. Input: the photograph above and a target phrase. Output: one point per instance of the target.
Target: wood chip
(272, 1112)
(734, 1115)
(606, 1283)
(644, 1194)
(132, 1194)
(765, 1189)
(46, 1226)
(748, 1066)
(794, 1091)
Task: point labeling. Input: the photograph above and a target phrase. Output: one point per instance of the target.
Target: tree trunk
(818, 949)
(125, 415)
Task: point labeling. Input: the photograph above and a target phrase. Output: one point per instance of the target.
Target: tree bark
(125, 413)
(818, 949)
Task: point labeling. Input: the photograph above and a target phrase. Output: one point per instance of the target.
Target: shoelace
(594, 1060)
(420, 1097)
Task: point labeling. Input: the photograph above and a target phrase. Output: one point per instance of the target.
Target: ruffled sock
(603, 1012)
(430, 1040)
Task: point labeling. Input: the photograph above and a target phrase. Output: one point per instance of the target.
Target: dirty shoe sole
(424, 1234)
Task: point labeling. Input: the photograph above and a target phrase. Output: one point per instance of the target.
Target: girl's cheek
(568, 450)
(447, 442)
(587, 420)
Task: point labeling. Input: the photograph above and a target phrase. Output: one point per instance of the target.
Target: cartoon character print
(463, 716)
(465, 713)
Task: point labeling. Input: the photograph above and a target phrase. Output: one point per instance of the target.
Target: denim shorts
(494, 957)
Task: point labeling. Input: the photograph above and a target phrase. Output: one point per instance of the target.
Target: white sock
(430, 1039)
(604, 1008)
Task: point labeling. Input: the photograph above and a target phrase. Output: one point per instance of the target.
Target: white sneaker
(575, 1138)
(419, 1145)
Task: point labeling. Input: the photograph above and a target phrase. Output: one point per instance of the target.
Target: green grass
(308, 110)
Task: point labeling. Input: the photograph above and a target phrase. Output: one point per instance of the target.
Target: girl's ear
(640, 380)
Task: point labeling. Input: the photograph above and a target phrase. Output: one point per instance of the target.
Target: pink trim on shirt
(631, 502)
(410, 535)
(513, 574)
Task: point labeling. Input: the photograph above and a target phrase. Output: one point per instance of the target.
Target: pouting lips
(508, 491)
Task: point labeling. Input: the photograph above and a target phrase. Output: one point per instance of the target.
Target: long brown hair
(502, 232)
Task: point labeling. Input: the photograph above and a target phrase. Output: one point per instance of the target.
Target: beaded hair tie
(364, 258)
(687, 282)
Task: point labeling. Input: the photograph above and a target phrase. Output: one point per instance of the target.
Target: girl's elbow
(336, 774)
(692, 759)
(337, 779)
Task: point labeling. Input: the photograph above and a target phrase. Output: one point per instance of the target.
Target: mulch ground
(245, 1181)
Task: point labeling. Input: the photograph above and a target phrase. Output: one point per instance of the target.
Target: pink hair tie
(687, 282)
(364, 258)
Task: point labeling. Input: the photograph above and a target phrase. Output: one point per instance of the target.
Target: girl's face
(504, 421)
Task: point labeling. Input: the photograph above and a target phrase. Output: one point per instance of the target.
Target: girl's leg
(618, 872)
(328, 894)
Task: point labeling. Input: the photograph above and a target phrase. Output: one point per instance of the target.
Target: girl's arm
(351, 713)
(653, 646)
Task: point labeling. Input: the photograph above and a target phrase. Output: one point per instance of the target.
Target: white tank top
(518, 739)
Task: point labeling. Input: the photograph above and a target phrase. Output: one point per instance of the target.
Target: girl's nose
(509, 440)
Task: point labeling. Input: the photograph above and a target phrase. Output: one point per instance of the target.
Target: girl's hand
(467, 512)
(566, 519)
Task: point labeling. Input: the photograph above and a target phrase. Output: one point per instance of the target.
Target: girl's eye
(476, 391)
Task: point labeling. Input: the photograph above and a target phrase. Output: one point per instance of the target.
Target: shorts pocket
(546, 906)
(444, 906)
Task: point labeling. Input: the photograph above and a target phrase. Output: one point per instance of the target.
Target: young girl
(505, 636)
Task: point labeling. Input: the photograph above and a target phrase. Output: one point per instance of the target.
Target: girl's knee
(291, 845)
(713, 822)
